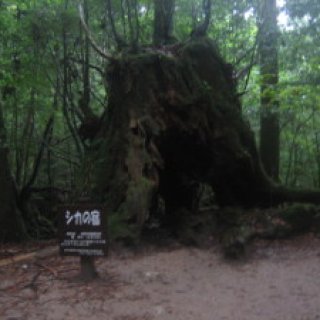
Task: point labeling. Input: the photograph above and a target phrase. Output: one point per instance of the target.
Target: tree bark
(201, 30)
(86, 93)
(163, 21)
(12, 226)
(65, 91)
(269, 72)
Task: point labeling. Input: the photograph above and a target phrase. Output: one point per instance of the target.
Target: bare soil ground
(279, 280)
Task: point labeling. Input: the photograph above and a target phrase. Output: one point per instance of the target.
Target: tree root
(274, 223)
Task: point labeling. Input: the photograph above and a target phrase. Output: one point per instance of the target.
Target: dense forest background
(53, 89)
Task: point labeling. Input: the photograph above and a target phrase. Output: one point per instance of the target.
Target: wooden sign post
(83, 232)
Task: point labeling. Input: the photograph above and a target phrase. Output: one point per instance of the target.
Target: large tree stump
(173, 122)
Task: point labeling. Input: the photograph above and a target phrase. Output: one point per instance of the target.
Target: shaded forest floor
(278, 280)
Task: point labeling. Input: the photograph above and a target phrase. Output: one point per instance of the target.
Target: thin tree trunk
(163, 21)
(86, 94)
(65, 88)
(12, 226)
(269, 71)
(26, 136)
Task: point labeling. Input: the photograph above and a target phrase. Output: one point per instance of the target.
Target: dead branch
(45, 267)
(246, 70)
(28, 256)
(33, 283)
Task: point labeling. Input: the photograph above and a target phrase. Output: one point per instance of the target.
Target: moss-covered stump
(174, 122)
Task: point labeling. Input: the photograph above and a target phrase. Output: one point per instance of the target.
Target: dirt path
(279, 281)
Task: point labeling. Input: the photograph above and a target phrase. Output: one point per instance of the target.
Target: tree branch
(94, 45)
(119, 40)
(92, 66)
(202, 29)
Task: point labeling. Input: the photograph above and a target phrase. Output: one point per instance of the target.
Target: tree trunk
(12, 226)
(65, 87)
(163, 21)
(86, 93)
(269, 71)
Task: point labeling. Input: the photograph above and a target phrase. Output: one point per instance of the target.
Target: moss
(126, 223)
(120, 229)
(301, 217)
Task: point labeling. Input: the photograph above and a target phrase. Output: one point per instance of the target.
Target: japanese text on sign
(83, 218)
(83, 230)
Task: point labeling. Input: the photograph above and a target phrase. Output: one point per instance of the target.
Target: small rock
(24, 266)
(158, 310)
(152, 275)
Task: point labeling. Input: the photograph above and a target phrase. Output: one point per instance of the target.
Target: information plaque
(82, 230)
